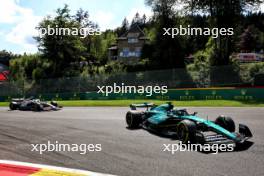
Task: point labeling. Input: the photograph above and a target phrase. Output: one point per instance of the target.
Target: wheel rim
(183, 133)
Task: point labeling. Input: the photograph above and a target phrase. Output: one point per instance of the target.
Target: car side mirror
(195, 113)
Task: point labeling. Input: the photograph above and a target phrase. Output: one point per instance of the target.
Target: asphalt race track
(125, 152)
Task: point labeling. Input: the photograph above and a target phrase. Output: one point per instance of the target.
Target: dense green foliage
(74, 56)
(64, 55)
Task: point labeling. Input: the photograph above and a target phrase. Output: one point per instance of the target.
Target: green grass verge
(3, 104)
(194, 103)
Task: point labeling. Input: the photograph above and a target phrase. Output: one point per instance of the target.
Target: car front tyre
(37, 107)
(186, 131)
(226, 123)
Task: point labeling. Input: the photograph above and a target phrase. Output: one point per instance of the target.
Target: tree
(100, 45)
(140, 21)
(164, 7)
(221, 7)
(249, 40)
(224, 14)
(194, 43)
(124, 27)
(25, 66)
(136, 19)
(144, 19)
(6, 56)
(168, 51)
(61, 50)
(83, 18)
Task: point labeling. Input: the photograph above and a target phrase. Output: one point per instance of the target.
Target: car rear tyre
(133, 119)
(226, 122)
(186, 131)
(12, 106)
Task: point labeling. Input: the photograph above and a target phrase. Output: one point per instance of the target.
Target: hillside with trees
(87, 58)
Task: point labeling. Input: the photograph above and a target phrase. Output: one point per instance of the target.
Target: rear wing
(142, 105)
(17, 99)
(22, 99)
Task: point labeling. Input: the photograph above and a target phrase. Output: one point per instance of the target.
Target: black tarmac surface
(125, 152)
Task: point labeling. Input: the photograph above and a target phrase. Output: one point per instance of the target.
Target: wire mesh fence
(172, 78)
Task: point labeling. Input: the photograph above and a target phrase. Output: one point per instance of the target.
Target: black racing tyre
(12, 106)
(186, 131)
(37, 107)
(54, 103)
(133, 119)
(226, 122)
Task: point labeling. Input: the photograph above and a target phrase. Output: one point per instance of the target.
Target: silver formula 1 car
(32, 104)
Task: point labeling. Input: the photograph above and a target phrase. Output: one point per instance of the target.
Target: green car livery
(178, 123)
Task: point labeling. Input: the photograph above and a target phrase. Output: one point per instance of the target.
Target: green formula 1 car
(166, 120)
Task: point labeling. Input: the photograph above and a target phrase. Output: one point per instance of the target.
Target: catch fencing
(181, 85)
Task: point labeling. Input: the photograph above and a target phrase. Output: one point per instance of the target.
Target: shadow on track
(238, 148)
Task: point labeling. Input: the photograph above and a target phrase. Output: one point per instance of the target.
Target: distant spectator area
(249, 57)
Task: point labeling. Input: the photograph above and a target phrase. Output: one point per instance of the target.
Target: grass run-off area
(194, 103)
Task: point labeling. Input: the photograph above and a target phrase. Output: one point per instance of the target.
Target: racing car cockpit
(182, 112)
